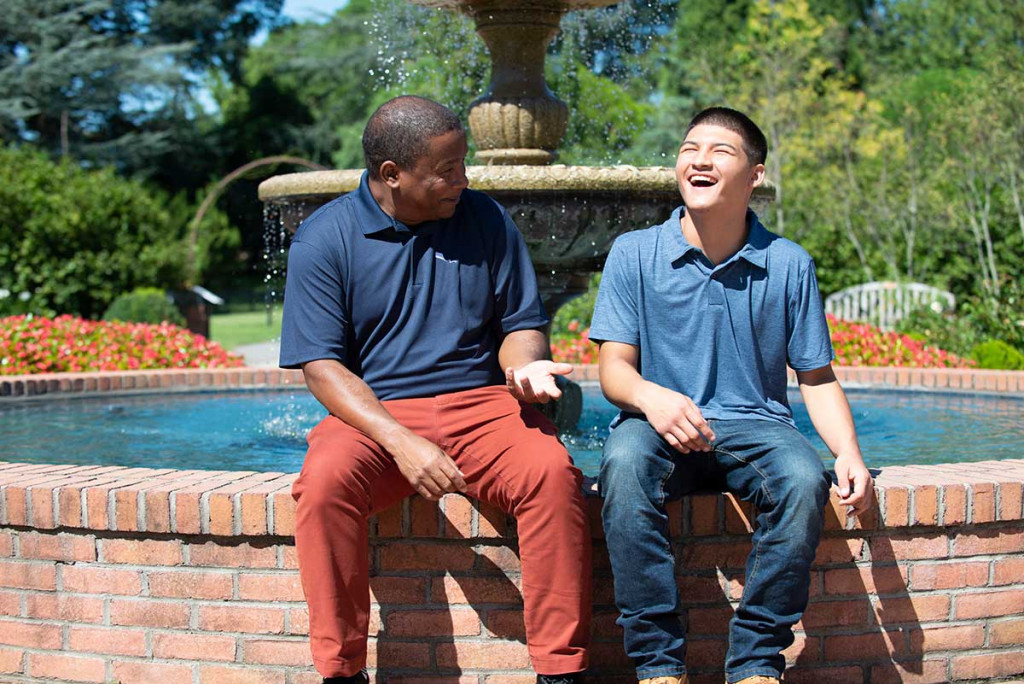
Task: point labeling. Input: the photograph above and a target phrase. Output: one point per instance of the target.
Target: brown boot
(759, 679)
(666, 680)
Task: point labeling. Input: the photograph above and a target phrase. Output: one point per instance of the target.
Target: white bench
(885, 303)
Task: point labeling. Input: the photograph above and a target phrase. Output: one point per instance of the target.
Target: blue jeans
(766, 462)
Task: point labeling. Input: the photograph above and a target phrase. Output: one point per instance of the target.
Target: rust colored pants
(510, 457)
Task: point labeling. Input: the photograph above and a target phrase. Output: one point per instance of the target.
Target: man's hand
(855, 485)
(430, 471)
(676, 418)
(534, 383)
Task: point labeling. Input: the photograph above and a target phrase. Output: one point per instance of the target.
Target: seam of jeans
(757, 547)
(661, 485)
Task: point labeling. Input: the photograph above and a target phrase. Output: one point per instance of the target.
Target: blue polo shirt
(415, 311)
(723, 334)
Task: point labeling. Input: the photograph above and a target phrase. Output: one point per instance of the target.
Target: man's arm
(830, 413)
(529, 375)
(428, 469)
(673, 415)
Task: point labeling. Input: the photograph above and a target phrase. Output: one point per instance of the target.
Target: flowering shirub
(34, 344)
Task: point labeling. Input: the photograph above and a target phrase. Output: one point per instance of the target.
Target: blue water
(265, 430)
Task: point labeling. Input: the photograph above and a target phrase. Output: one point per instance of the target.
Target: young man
(697, 320)
(412, 308)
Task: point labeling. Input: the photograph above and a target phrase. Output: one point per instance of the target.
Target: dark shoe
(360, 677)
(572, 678)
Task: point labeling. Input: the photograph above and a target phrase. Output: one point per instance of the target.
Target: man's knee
(631, 459)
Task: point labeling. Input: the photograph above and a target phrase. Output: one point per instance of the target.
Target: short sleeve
(315, 323)
(808, 344)
(616, 316)
(517, 304)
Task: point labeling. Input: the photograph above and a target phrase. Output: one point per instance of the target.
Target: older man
(412, 308)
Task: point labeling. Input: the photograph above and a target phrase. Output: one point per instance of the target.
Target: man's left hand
(534, 383)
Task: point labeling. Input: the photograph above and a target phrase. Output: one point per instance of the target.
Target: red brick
(58, 547)
(1007, 633)
(289, 557)
(212, 554)
(954, 502)
(141, 552)
(804, 651)
(66, 668)
(983, 502)
(30, 635)
(389, 522)
(1011, 496)
(66, 607)
(284, 514)
(915, 608)
(190, 646)
(988, 666)
(839, 550)
(256, 501)
(926, 505)
(911, 672)
(164, 614)
(190, 585)
(506, 624)
(28, 575)
(739, 515)
(165, 673)
(932, 546)
(831, 675)
(398, 590)
(220, 503)
(494, 522)
(426, 557)
(709, 620)
(488, 655)
(126, 642)
(270, 587)
(88, 579)
(863, 647)
(957, 638)
(458, 518)
(455, 679)
(989, 542)
(897, 505)
(836, 614)
(11, 660)
(698, 589)
(710, 555)
(704, 514)
(497, 560)
(871, 579)
(298, 621)
(474, 590)
(951, 575)
(241, 618)
(6, 544)
(10, 602)
(990, 603)
(426, 623)
(292, 652)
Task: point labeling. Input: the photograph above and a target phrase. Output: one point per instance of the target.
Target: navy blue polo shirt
(723, 334)
(415, 311)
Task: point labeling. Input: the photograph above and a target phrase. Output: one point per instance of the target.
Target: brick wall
(136, 575)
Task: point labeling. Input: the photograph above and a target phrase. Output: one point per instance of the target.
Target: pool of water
(265, 430)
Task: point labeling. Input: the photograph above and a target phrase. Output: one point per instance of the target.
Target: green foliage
(579, 310)
(997, 354)
(74, 239)
(144, 305)
(951, 332)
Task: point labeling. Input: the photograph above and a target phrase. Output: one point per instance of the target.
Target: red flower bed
(32, 344)
(855, 344)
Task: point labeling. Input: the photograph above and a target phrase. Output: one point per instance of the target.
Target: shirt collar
(754, 250)
(373, 219)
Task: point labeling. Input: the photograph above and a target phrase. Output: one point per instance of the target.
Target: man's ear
(389, 174)
(758, 175)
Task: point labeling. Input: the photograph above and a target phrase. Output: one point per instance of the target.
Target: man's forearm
(522, 347)
(349, 398)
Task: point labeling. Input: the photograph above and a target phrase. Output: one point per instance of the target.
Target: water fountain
(569, 215)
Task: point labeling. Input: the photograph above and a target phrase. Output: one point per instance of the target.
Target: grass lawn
(246, 327)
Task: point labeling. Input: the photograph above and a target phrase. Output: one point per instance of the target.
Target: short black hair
(401, 128)
(754, 143)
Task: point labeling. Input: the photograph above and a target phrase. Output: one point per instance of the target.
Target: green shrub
(947, 331)
(144, 305)
(997, 354)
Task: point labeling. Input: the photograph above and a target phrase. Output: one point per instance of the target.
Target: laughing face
(431, 188)
(713, 170)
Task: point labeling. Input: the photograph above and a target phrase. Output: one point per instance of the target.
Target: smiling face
(429, 190)
(714, 171)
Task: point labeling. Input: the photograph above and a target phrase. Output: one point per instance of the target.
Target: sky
(311, 10)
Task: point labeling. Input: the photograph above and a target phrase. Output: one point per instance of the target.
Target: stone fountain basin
(568, 215)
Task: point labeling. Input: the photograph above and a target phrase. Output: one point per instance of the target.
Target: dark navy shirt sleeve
(808, 344)
(517, 304)
(616, 315)
(315, 323)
